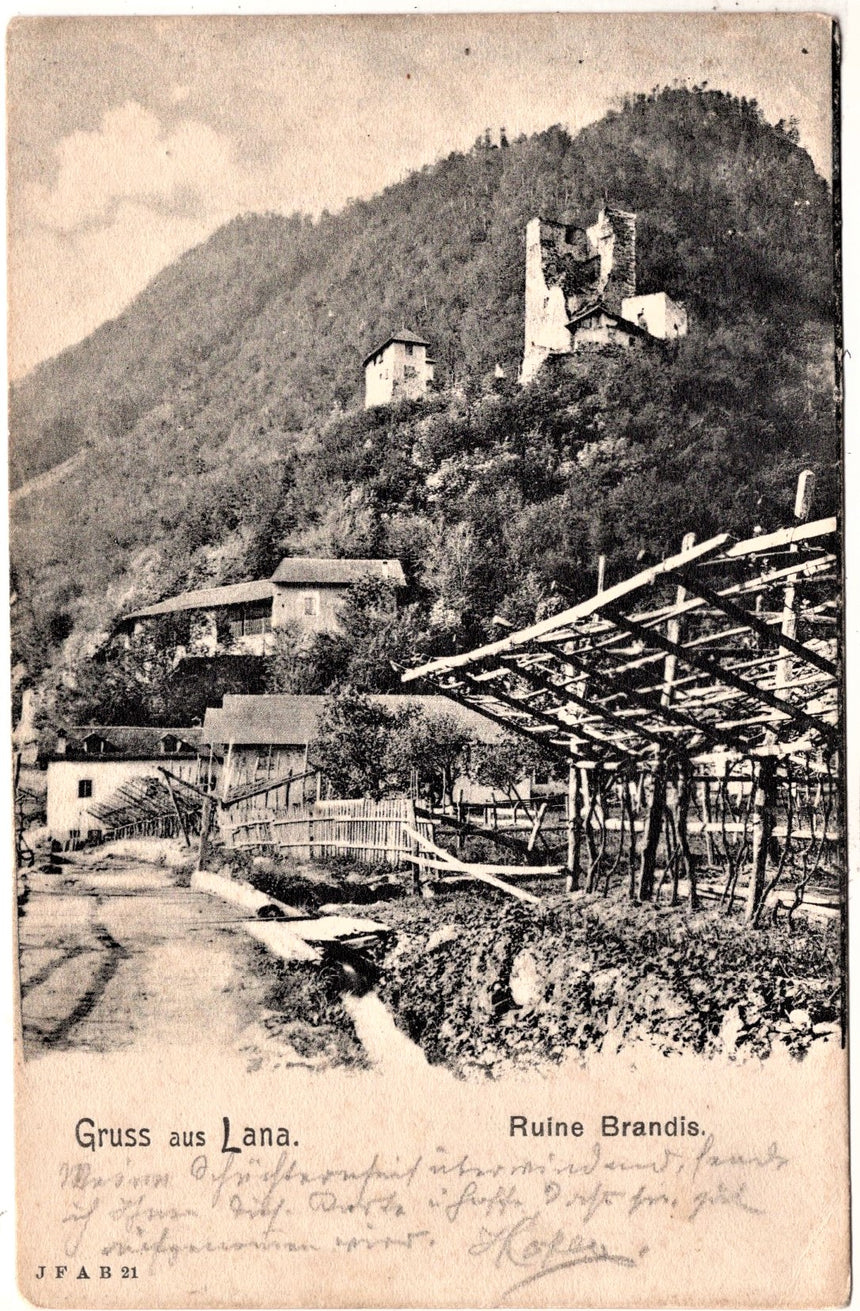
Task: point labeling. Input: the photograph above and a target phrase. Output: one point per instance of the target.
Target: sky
(132, 139)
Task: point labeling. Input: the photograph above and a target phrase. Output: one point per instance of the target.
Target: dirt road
(120, 953)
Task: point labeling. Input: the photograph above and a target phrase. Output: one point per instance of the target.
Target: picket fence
(374, 832)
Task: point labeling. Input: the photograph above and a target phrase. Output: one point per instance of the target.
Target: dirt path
(122, 955)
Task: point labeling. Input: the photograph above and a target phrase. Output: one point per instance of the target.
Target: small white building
(90, 764)
(399, 369)
(657, 313)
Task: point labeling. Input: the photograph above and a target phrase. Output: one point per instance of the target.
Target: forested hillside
(221, 413)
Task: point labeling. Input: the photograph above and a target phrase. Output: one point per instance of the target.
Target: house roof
(411, 338)
(206, 598)
(129, 741)
(288, 720)
(598, 307)
(304, 571)
(321, 573)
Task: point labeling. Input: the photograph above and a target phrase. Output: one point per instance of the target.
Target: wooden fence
(152, 826)
(375, 832)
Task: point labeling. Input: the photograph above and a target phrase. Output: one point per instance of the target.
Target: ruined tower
(581, 287)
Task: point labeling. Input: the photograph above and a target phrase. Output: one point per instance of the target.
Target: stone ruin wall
(568, 267)
(614, 238)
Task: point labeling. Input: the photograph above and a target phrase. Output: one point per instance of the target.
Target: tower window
(85, 787)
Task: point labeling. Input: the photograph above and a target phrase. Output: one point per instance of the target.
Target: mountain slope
(207, 404)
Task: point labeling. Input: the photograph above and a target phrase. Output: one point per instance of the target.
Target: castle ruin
(581, 290)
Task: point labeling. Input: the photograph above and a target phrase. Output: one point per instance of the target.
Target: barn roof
(291, 720)
(411, 338)
(310, 572)
(129, 741)
(206, 598)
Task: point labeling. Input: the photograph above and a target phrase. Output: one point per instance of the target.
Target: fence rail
(376, 832)
(155, 826)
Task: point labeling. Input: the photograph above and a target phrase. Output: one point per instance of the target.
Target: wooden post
(225, 781)
(673, 632)
(601, 573)
(205, 825)
(708, 814)
(802, 508)
(574, 829)
(651, 837)
(764, 806)
(175, 804)
(685, 780)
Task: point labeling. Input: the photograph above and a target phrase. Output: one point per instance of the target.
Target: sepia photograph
(426, 488)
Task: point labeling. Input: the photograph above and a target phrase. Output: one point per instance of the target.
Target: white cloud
(63, 285)
(127, 200)
(130, 157)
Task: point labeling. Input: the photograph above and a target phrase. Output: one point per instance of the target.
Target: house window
(311, 603)
(85, 787)
(258, 617)
(74, 834)
(255, 617)
(409, 348)
(169, 745)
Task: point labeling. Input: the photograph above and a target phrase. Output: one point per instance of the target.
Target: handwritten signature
(526, 1246)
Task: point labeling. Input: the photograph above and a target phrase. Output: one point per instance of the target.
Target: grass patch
(305, 1010)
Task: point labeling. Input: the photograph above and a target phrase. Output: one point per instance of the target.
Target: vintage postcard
(427, 626)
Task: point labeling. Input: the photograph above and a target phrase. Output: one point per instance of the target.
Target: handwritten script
(523, 1219)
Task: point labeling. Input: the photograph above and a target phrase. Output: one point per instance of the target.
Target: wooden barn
(303, 591)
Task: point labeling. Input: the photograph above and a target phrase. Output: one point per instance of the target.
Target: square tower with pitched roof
(399, 369)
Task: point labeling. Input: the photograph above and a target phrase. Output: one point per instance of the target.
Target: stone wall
(613, 236)
(567, 268)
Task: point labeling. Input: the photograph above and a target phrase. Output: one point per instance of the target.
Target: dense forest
(217, 424)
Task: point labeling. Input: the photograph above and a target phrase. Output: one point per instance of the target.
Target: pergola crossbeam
(724, 675)
(688, 579)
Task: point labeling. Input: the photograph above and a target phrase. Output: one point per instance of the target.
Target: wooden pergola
(150, 806)
(728, 650)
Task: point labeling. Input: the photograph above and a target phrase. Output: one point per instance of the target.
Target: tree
(368, 750)
(300, 662)
(374, 635)
(432, 750)
(351, 745)
(128, 684)
(503, 763)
